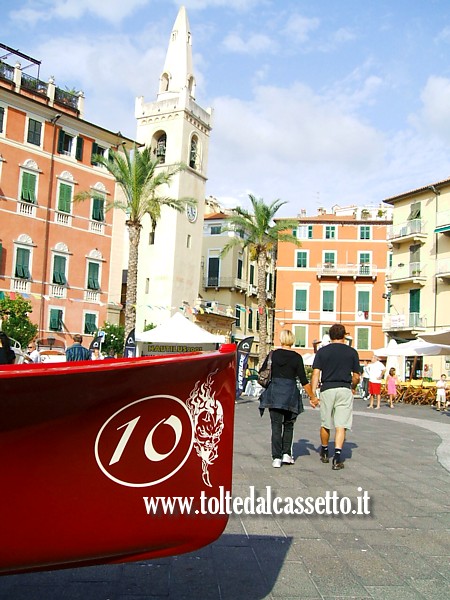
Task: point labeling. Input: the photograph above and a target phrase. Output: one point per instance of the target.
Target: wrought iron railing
(67, 98)
(33, 84)
(6, 71)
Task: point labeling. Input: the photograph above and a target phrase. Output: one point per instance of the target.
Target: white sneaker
(287, 459)
(276, 463)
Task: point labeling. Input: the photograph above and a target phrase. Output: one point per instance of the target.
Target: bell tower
(177, 130)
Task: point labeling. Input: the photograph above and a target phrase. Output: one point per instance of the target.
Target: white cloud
(45, 10)
(434, 117)
(252, 44)
(239, 5)
(299, 28)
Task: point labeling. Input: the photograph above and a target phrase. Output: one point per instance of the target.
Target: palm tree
(259, 233)
(140, 176)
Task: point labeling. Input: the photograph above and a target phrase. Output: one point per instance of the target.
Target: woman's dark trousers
(282, 431)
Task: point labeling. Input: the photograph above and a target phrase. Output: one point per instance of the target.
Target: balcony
(232, 283)
(6, 72)
(26, 208)
(63, 218)
(443, 268)
(410, 231)
(97, 227)
(31, 84)
(58, 291)
(20, 285)
(346, 270)
(411, 322)
(443, 222)
(412, 273)
(92, 296)
(67, 98)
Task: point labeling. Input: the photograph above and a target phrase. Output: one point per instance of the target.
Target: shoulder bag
(265, 375)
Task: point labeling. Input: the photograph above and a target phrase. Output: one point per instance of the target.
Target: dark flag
(243, 350)
(130, 345)
(96, 342)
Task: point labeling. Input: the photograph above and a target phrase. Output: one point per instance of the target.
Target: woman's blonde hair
(287, 338)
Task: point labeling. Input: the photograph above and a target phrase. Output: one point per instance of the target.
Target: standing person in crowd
(77, 352)
(376, 372)
(392, 382)
(283, 399)
(33, 353)
(337, 367)
(441, 386)
(7, 355)
(365, 380)
(96, 354)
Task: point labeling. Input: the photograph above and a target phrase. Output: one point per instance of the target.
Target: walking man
(337, 366)
(376, 372)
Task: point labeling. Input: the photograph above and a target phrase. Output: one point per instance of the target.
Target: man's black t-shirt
(337, 362)
(287, 364)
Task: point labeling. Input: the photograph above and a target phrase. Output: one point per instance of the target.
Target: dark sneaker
(324, 456)
(337, 466)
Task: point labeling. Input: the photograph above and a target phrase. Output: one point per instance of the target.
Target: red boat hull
(87, 447)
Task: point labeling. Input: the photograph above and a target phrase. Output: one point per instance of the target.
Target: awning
(442, 229)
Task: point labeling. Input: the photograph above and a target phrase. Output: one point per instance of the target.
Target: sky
(316, 102)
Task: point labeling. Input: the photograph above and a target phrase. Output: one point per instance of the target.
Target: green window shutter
(250, 319)
(29, 187)
(301, 259)
(79, 148)
(328, 301)
(59, 270)
(415, 211)
(2, 118)
(414, 301)
(23, 263)
(55, 323)
(300, 300)
(34, 132)
(94, 151)
(294, 233)
(65, 197)
(93, 271)
(363, 301)
(310, 232)
(252, 274)
(90, 325)
(237, 314)
(61, 137)
(98, 209)
(362, 338)
(329, 257)
(239, 268)
(300, 337)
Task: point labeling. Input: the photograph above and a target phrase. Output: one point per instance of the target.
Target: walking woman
(283, 398)
(7, 356)
(392, 381)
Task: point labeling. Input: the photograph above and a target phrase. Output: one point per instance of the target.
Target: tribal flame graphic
(207, 415)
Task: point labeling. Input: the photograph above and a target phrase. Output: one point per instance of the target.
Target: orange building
(337, 275)
(54, 251)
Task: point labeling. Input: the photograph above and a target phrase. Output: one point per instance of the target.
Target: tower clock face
(191, 212)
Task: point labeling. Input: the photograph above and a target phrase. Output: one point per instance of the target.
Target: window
(239, 268)
(300, 336)
(2, 119)
(65, 142)
(252, 274)
(79, 148)
(213, 271)
(364, 263)
(64, 198)
(304, 232)
(414, 301)
(97, 151)
(363, 301)
(59, 270)
(93, 276)
(216, 229)
(330, 232)
(269, 282)
(98, 208)
(56, 319)
(300, 300)
(90, 323)
(193, 152)
(329, 258)
(160, 149)
(34, 132)
(328, 301)
(364, 232)
(28, 193)
(362, 338)
(415, 211)
(237, 314)
(302, 259)
(22, 270)
(250, 318)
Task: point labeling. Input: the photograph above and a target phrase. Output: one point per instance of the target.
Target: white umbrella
(308, 359)
(437, 337)
(414, 348)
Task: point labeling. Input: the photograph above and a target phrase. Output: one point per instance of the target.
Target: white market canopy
(437, 337)
(413, 348)
(178, 334)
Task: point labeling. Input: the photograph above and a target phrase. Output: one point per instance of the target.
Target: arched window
(164, 82)
(194, 152)
(160, 147)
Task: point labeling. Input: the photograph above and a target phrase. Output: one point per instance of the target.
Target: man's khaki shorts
(336, 406)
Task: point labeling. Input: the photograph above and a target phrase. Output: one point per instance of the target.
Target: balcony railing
(26, 208)
(414, 229)
(58, 291)
(32, 84)
(224, 282)
(63, 218)
(410, 321)
(346, 270)
(6, 72)
(97, 227)
(20, 285)
(67, 98)
(92, 296)
(414, 271)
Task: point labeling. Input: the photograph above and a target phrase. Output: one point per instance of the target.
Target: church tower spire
(178, 73)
